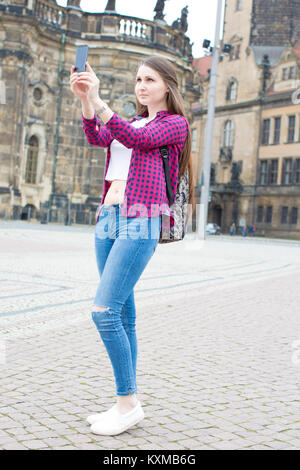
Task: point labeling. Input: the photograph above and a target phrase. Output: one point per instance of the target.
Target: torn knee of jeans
(97, 314)
(99, 308)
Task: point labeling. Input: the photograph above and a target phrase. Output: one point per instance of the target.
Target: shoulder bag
(179, 207)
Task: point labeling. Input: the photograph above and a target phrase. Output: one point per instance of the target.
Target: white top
(120, 156)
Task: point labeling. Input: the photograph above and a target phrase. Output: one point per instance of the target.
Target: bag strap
(164, 154)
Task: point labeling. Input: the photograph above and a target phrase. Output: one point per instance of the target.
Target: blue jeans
(124, 246)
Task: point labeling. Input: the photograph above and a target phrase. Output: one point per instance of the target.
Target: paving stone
(215, 328)
(78, 438)
(44, 434)
(13, 446)
(7, 440)
(55, 441)
(87, 446)
(64, 448)
(35, 444)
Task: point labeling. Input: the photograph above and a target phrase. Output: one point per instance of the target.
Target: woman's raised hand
(85, 85)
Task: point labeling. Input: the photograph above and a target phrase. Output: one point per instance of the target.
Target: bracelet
(100, 110)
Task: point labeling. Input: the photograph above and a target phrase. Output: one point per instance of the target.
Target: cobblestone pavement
(218, 337)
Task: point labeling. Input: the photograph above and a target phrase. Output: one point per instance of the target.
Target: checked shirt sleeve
(100, 137)
(171, 130)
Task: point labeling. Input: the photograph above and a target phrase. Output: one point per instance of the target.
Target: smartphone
(81, 57)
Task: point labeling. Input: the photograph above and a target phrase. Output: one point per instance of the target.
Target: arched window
(231, 90)
(228, 134)
(32, 160)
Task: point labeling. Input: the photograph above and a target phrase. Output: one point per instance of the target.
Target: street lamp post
(203, 206)
(58, 118)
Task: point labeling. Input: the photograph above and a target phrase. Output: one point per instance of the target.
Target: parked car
(212, 229)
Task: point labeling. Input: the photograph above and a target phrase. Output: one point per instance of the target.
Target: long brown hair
(175, 106)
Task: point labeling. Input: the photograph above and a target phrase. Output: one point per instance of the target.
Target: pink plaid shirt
(145, 193)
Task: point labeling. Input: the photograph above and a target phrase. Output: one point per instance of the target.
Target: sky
(201, 16)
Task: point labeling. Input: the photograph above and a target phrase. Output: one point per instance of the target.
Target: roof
(280, 92)
(202, 64)
(296, 49)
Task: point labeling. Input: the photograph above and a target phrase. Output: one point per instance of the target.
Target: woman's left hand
(91, 81)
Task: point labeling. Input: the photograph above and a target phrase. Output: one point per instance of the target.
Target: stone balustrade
(50, 13)
(111, 26)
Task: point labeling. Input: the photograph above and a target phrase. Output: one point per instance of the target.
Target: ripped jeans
(124, 246)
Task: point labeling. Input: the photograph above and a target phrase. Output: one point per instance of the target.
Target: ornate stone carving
(159, 8)
(181, 23)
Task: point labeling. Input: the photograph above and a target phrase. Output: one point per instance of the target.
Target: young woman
(129, 217)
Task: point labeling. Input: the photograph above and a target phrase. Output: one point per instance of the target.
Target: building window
(212, 174)
(297, 170)
(235, 52)
(194, 139)
(291, 129)
(32, 160)
(260, 214)
(231, 91)
(285, 74)
(269, 215)
(236, 170)
(37, 94)
(228, 134)
(287, 171)
(239, 4)
(266, 131)
(273, 172)
(292, 73)
(294, 215)
(277, 130)
(263, 172)
(284, 215)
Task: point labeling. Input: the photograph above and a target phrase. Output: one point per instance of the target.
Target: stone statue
(111, 5)
(159, 8)
(176, 24)
(74, 3)
(181, 23)
(183, 20)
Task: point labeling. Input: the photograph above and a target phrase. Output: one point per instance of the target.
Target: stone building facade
(255, 162)
(47, 166)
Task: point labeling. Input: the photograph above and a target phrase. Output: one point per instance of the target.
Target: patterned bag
(176, 233)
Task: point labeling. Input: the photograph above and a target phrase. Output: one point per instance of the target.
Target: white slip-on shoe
(115, 422)
(96, 417)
